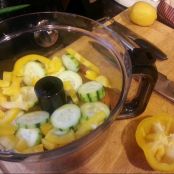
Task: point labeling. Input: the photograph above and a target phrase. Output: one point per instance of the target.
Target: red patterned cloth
(166, 12)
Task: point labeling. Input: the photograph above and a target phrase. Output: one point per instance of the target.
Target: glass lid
(62, 76)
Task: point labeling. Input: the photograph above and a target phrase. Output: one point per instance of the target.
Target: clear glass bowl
(49, 34)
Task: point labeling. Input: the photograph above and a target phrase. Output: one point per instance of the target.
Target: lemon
(142, 13)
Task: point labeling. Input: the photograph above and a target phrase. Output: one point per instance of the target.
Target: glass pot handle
(143, 66)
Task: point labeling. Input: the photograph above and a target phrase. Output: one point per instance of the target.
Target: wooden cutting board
(120, 153)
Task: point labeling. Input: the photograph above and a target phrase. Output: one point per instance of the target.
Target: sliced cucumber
(70, 62)
(32, 136)
(32, 119)
(71, 76)
(90, 109)
(32, 71)
(66, 116)
(91, 91)
(60, 131)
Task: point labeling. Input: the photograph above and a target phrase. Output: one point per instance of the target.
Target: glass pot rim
(73, 146)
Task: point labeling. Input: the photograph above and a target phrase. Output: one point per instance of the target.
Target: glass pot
(49, 34)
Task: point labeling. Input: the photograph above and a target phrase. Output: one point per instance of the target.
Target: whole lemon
(142, 13)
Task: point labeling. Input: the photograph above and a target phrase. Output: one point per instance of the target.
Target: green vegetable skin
(91, 91)
(13, 8)
(66, 117)
(91, 109)
(74, 78)
(70, 62)
(33, 119)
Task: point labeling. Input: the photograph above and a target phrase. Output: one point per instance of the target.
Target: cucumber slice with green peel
(71, 76)
(66, 117)
(60, 131)
(91, 91)
(70, 62)
(32, 136)
(33, 70)
(88, 110)
(32, 119)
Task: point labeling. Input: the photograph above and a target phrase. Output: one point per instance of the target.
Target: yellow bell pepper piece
(61, 139)
(83, 129)
(7, 130)
(21, 145)
(19, 65)
(8, 142)
(155, 136)
(83, 60)
(104, 81)
(2, 114)
(7, 76)
(34, 80)
(91, 75)
(10, 115)
(88, 125)
(48, 145)
(45, 128)
(69, 88)
(14, 88)
(3, 98)
(4, 83)
(11, 91)
(34, 149)
(55, 65)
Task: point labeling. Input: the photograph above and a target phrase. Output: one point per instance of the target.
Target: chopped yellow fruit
(4, 83)
(7, 76)
(3, 98)
(21, 145)
(104, 81)
(14, 88)
(45, 128)
(8, 142)
(10, 115)
(7, 130)
(69, 88)
(55, 65)
(34, 149)
(83, 60)
(34, 80)
(11, 91)
(48, 145)
(60, 140)
(88, 125)
(91, 75)
(2, 114)
(83, 129)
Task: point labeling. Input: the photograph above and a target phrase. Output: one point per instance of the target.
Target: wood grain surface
(120, 153)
